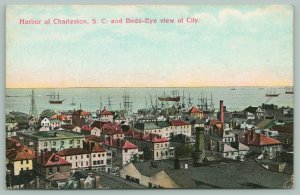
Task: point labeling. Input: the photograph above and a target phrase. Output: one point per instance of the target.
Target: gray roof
(247, 174)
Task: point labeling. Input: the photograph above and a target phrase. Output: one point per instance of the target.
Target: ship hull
(56, 102)
(289, 92)
(272, 95)
(172, 99)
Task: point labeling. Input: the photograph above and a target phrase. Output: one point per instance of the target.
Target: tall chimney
(199, 153)
(221, 111)
(97, 181)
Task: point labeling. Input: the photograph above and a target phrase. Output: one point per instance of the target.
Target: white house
(96, 131)
(106, 116)
(181, 127)
(76, 129)
(46, 125)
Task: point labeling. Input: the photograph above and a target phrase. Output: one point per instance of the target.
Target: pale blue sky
(230, 46)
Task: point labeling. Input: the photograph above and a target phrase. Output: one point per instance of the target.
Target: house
(265, 145)
(122, 151)
(52, 140)
(196, 113)
(106, 116)
(55, 124)
(19, 157)
(45, 124)
(79, 158)
(152, 128)
(11, 129)
(154, 146)
(180, 127)
(96, 131)
(76, 129)
(53, 168)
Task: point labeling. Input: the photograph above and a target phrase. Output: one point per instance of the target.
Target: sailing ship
(174, 98)
(54, 99)
(206, 104)
(289, 90)
(73, 103)
(272, 94)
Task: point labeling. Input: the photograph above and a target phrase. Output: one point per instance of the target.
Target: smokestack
(221, 111)
(199, 153)
(97, 181)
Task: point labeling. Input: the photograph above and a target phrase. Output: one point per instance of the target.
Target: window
(62, 142)
(101, 161)
(81, 156)
(87, 156)
(71, 142)
(78, 141)
(45, 144)
(27, 161)
(21, 162)
(99, 155)
(54, 143)
(81, 163)
(94, 162)
(71, 157)
(94, 155)
(156, 154)
(98, 162)
(126, 150)
(103, 155)
(87, 163)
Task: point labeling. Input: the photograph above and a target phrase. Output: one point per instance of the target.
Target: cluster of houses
(73, 149)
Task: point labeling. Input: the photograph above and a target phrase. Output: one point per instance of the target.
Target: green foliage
(185, 150)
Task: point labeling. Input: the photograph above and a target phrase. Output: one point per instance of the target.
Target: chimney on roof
(81, 183)
(221, 111)
(97, 181)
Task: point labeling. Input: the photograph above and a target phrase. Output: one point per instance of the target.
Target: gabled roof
(50, 159)
(262, 140)
(21, 152)
(195, 110)
(97, 148)
(111, 126)
(106, 112)
(72, 151)
(123, 144)
(179, 123)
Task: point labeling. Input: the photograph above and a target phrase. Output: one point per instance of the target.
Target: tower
(32, 111)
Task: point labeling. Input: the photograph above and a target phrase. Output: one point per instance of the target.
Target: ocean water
(89, 98)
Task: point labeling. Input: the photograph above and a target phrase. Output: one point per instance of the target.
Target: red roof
(94, 138)
(21, 152)
(262, 140)
(195, 110)
(123, 144)
(214, 122)
(111, 126)
(50, 159)
(98, 148)
(86, 128)
(146, 137)
(106, 112)
(179, 123)
(85, 113)
(72, 151)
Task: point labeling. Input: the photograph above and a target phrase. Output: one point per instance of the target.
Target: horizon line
(216, 86)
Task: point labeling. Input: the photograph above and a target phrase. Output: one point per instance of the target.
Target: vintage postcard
(142, 97)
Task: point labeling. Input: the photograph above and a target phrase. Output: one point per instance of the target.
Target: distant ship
(54, 99)
(73, 103)
(272, 94)
(174, 98)
(289, 90)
